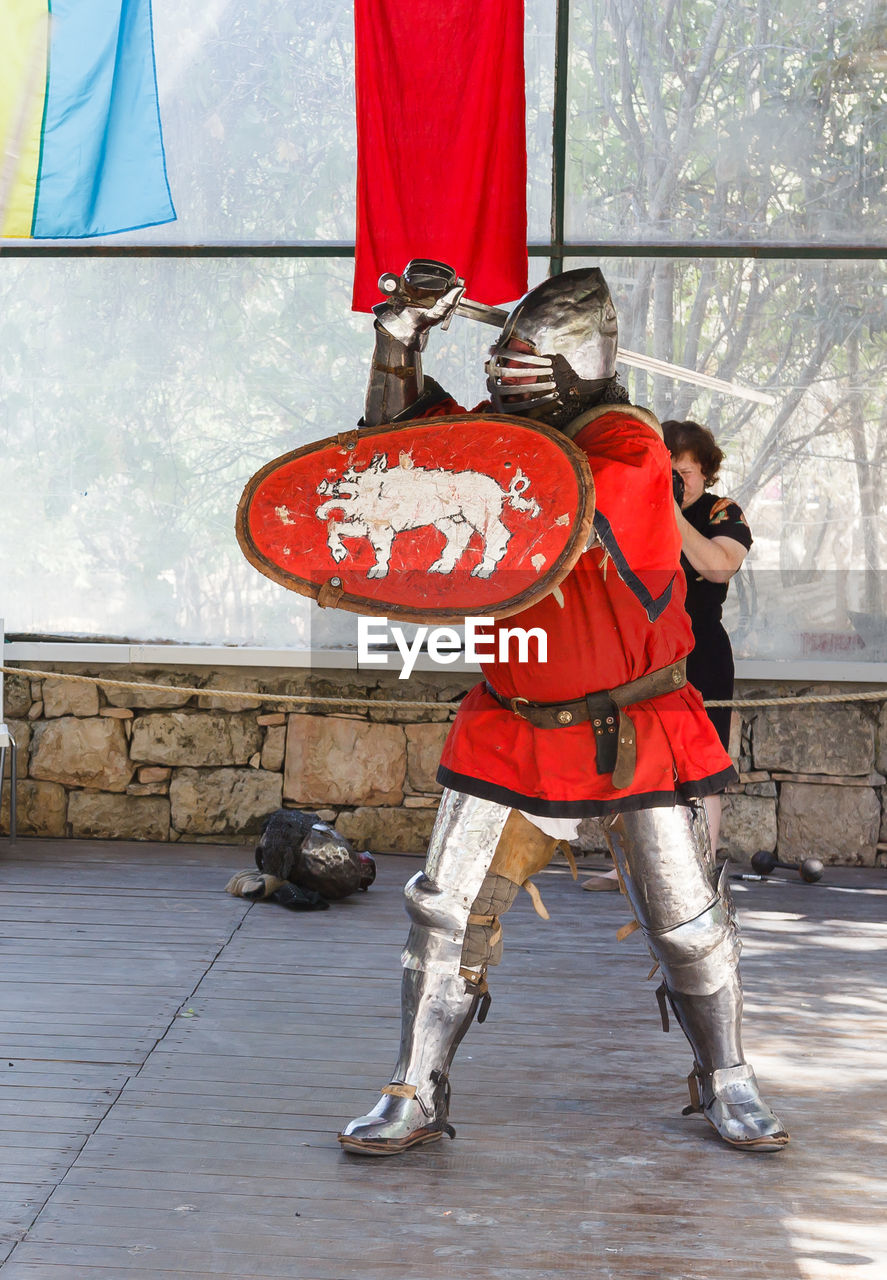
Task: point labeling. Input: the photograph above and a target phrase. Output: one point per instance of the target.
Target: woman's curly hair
(690, 437)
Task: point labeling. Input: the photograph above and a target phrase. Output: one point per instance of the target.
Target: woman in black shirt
(716, 539)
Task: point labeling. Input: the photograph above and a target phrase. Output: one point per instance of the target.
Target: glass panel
(808, 470)
(539, 44)
(257, 105)
(140, 396)
(756, 122)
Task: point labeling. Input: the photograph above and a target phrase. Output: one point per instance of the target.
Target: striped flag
(82, 149)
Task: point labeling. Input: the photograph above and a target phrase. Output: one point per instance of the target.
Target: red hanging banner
(441, 143)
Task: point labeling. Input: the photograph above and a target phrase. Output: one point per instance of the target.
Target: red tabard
(618, 615)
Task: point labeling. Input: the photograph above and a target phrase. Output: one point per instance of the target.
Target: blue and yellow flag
(82, 149)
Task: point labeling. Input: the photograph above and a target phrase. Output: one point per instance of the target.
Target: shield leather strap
(614, 732)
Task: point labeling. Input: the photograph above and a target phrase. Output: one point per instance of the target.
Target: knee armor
(439, 916)
(685, 911)
(480, 855)
(439, 899)
(483, 936)
(700, 956)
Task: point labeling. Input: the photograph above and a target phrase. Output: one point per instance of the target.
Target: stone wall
(811, 778)
(144, 764)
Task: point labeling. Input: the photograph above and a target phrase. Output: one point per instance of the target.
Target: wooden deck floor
(176, 1065)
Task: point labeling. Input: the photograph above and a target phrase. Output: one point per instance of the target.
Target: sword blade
(479, 311)
(497, 316)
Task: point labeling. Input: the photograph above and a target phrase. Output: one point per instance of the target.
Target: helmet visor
(519, 380)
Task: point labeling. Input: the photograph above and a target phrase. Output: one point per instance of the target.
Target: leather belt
(614, 732)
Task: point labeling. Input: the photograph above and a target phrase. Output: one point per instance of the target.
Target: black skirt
(710, 669)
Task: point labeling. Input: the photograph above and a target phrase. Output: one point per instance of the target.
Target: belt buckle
(513, 707)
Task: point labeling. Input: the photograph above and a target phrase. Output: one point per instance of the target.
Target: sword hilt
(424, 280)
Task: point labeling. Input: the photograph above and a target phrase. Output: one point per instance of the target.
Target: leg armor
(437, 1004)
(439, 899)
(436, 1011)
(686, 913)
(477, 861)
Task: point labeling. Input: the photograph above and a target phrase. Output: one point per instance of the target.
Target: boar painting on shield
(434, 520)
(380, 503)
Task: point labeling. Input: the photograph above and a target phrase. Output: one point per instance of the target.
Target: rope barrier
(298, 699)
(797, 700)
(295, 699)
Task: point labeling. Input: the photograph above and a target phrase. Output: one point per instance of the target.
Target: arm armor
(395, 380)
(425, 295)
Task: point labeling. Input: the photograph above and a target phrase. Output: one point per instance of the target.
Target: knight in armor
(607, 727)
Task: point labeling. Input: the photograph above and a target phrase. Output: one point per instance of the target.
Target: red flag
(441, 143)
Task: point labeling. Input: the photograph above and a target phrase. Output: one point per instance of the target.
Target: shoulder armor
(634, 411)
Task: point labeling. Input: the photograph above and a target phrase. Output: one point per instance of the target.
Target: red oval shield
(430, 521)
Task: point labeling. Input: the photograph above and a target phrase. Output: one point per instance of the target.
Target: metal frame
(556, 250)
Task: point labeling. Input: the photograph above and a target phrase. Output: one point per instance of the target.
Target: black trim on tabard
(652, 608)
(682, 794)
